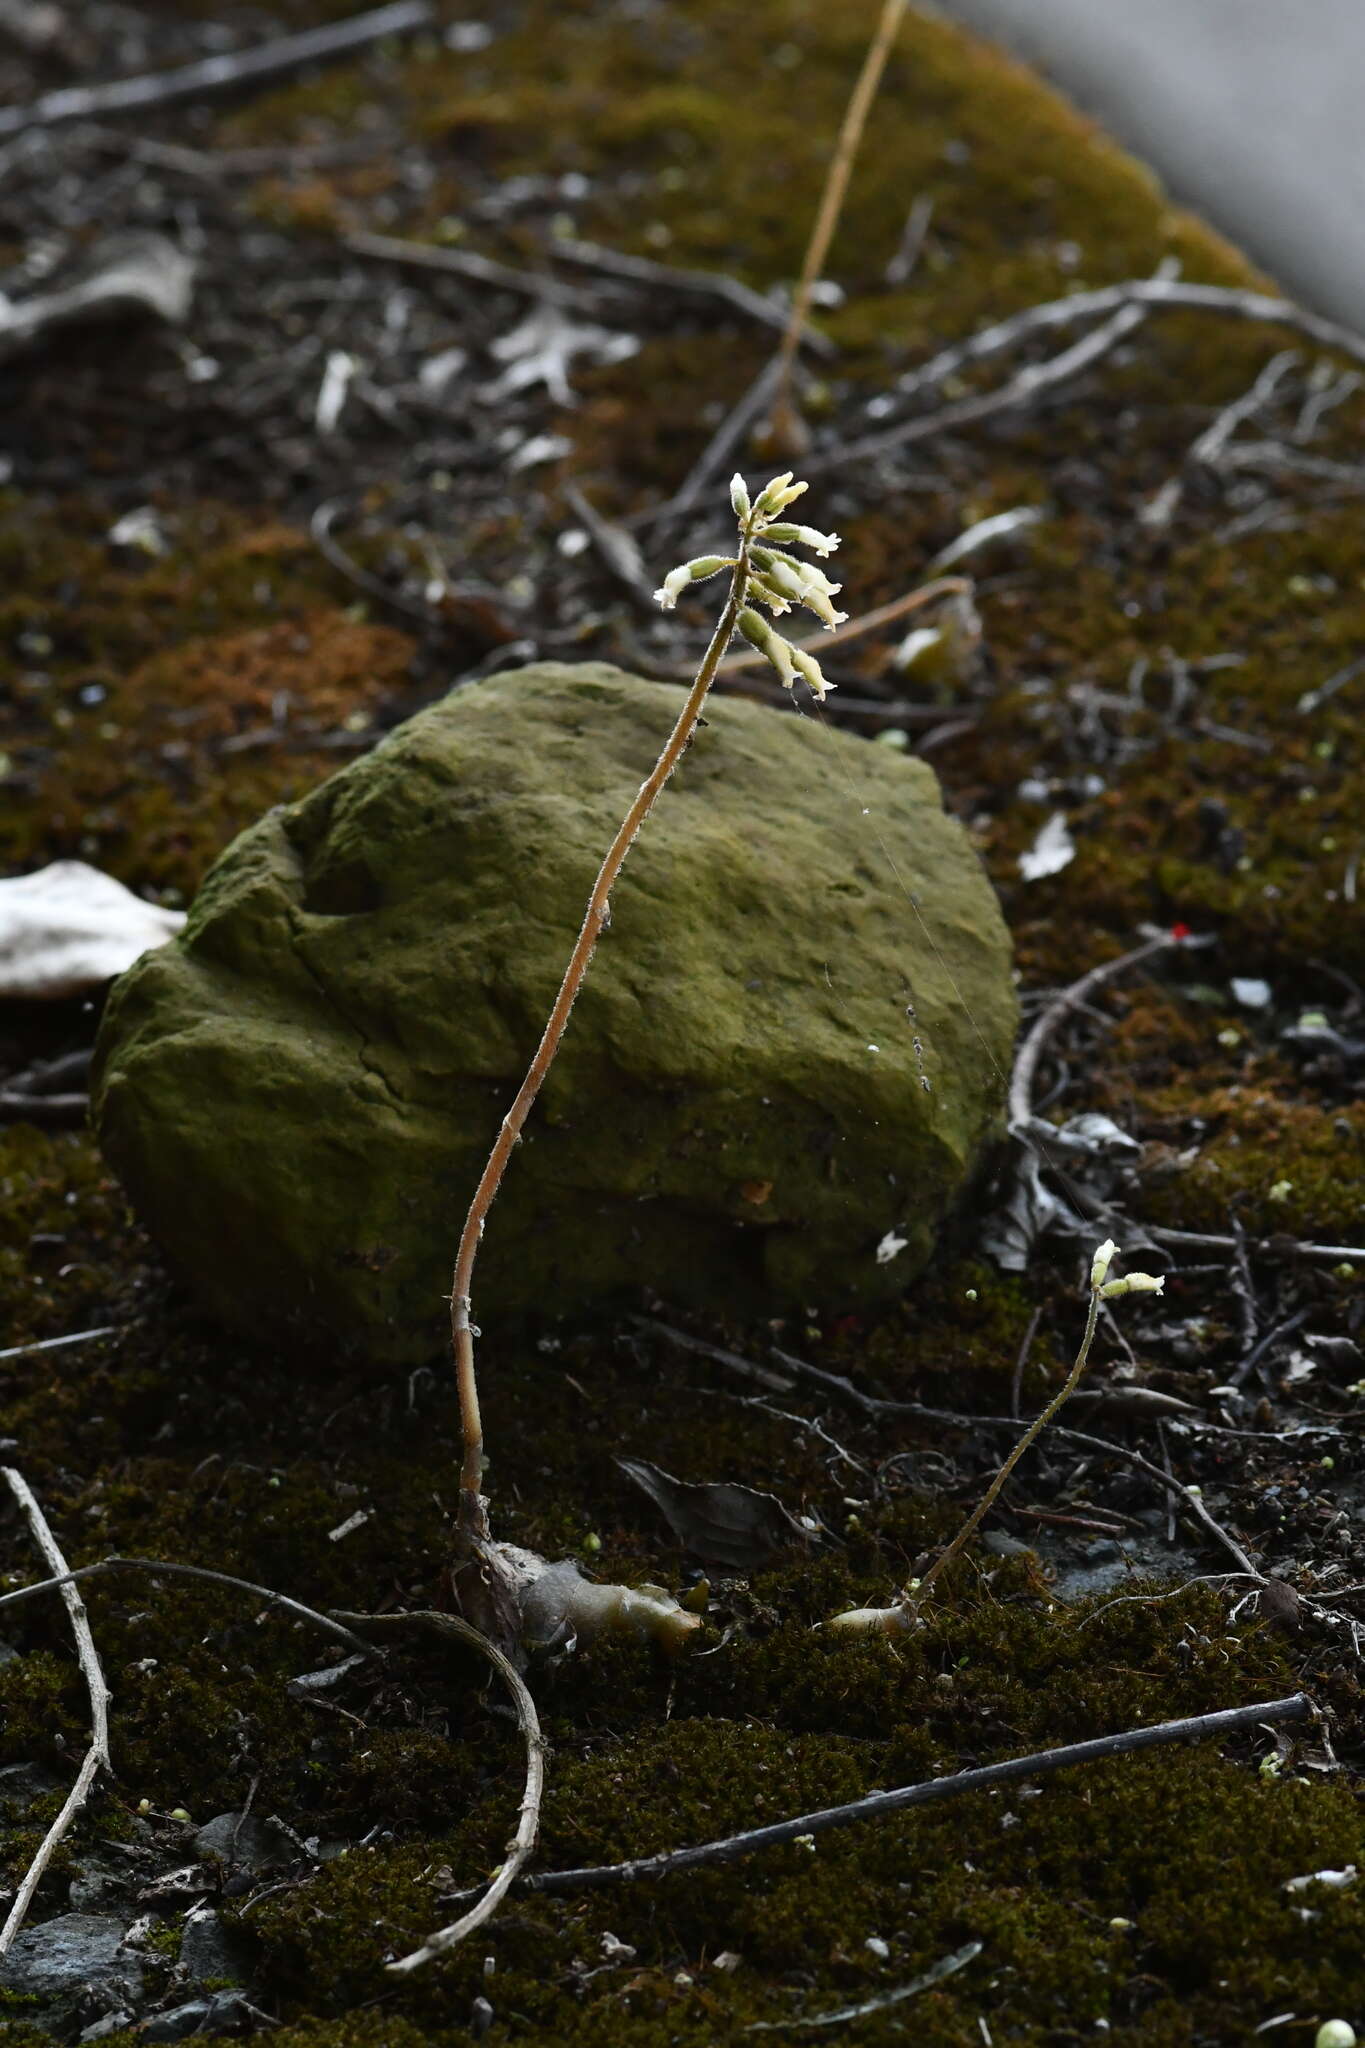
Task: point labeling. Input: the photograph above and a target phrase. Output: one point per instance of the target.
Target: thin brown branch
(873, 1406)
(1198, 1728)
(722, 443)
(1277, 1247)
(832, 197)
(855, 629)
(97, 1755)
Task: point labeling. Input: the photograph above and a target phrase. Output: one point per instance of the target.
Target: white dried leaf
(541, 348)
(1335, 1880)
(336, 383)
(540, 448)
(68, 928)
(1000, 526)
(1051, 851)
(140, 532)
(890, 1248)
(439, 372)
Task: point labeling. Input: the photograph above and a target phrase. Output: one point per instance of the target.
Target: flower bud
(739, 496)
(1134, 1283)
(695, 571)
(766, 590)
(760, 634)
(1099, 1272)
(807, 666)
(801, 582)
(805, 537)
(777, 495)
(817, 601)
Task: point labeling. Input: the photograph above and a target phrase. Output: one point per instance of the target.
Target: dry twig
(104, 1565)
(217, 74)
(869, 622)
(1280, 1246)
(1020, 1105)
(946, 1966)
(1025, 388)
(473, 269)
(97, 1755)
(449, 1626)
(453, 1629)
(721, 445)
(60, 1343)
(1164, 292)
(1198, 1728)
(704, 284)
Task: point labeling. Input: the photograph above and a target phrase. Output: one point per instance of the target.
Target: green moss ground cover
(703, 136)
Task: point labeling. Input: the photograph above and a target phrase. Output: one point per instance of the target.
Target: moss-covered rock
(300, 1096)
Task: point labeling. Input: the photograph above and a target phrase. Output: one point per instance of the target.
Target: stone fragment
(73, 1953)
(218, 2013)
(300, 1092)
(210, 1951)
(241, 1842)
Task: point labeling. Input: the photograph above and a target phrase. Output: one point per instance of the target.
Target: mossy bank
(1148, 1895)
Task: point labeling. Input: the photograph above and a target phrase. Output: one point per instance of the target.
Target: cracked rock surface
(300, 1092)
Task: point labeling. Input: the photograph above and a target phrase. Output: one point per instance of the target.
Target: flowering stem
(979, 1513)
(832, 197)
(461, 1325)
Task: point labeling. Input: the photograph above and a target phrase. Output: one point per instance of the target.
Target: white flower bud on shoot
(1134, 1283)
(780, 493)
(739, 496)
(806, 585)
(807, 666)
(697, 571)
(760, 634)
(804, 537)
(766, 591)
(1099, 1271)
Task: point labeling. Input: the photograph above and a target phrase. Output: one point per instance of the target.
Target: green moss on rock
(739, 1116)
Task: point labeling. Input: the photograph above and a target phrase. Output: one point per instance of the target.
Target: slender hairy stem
(595, 917)
(832, 198)
(1035, 1429)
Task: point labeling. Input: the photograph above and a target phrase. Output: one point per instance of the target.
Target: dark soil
(1143, 677)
